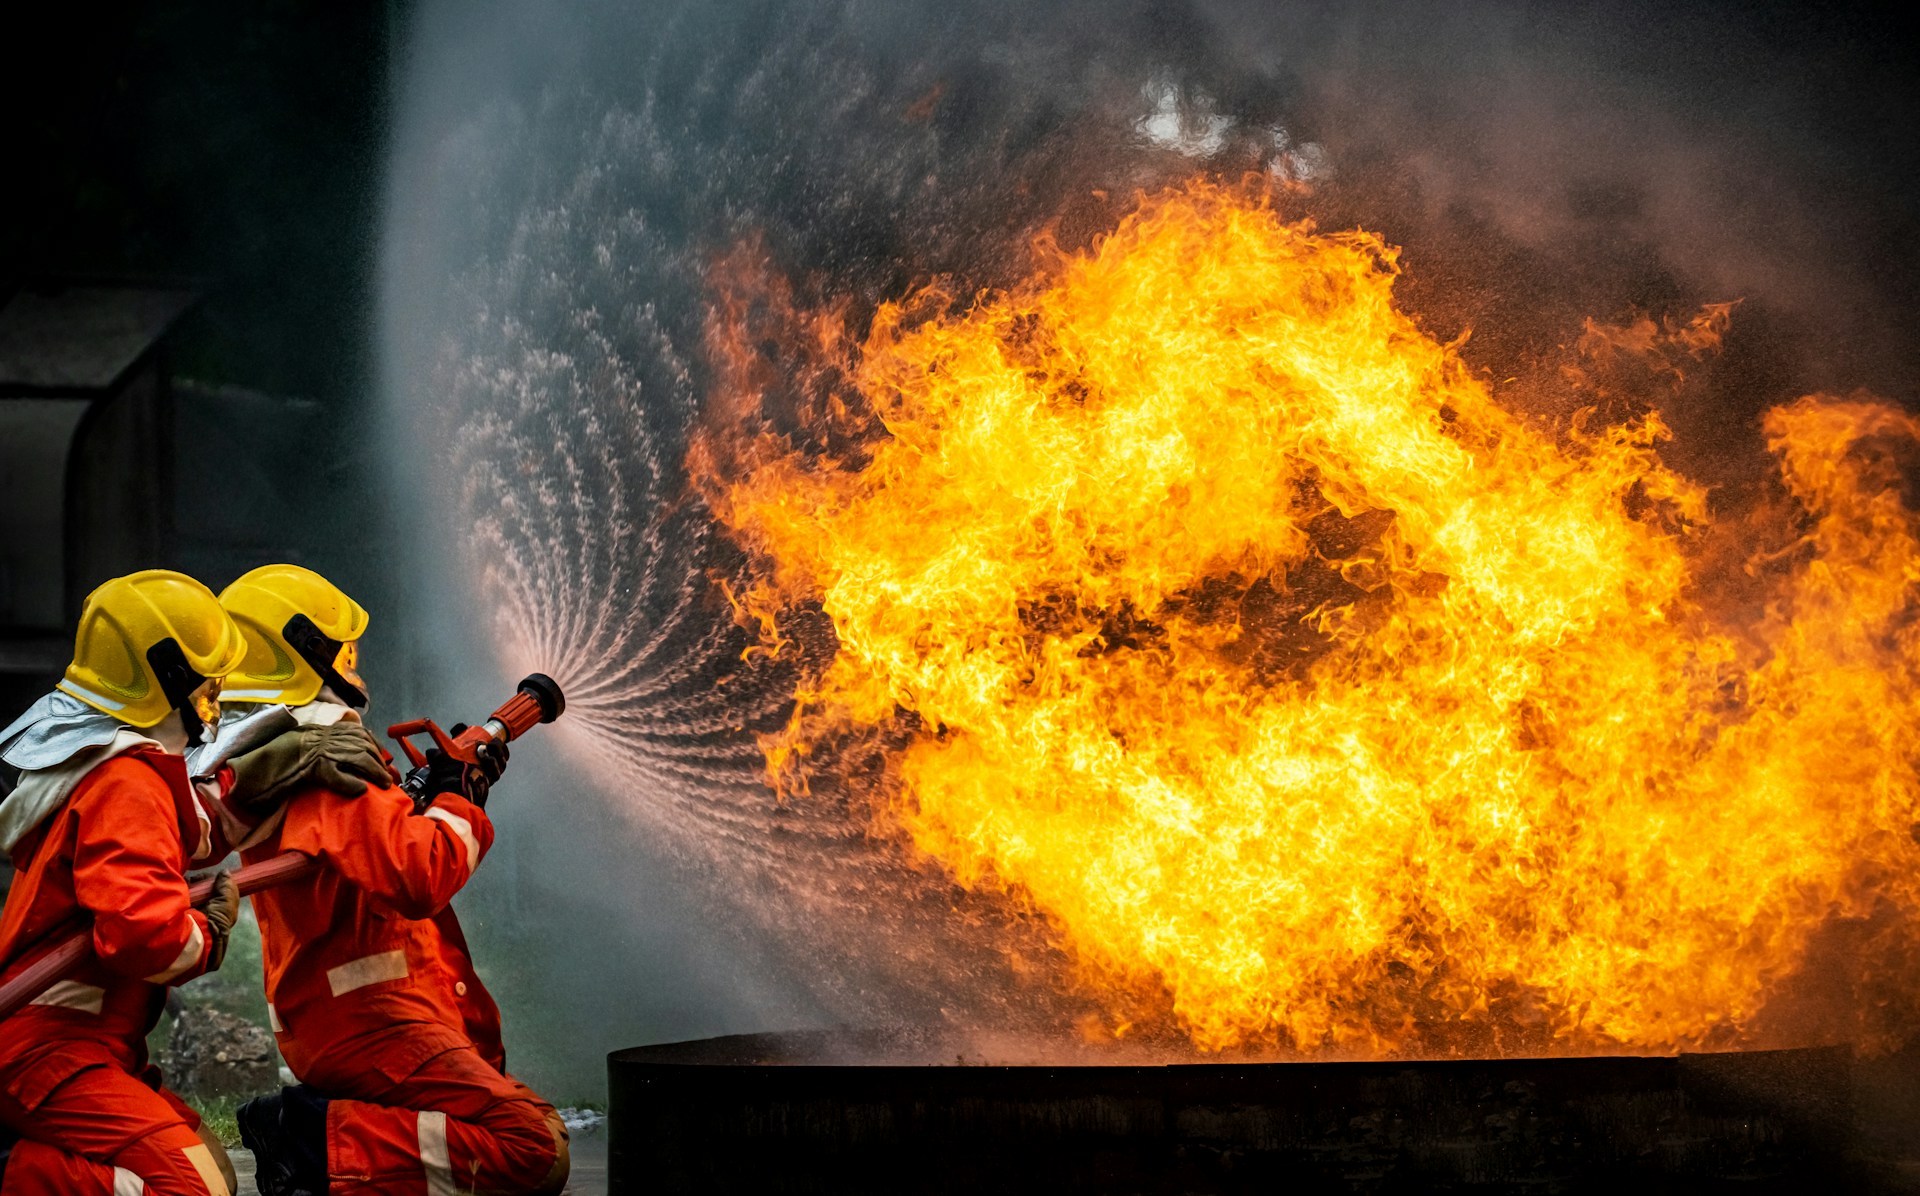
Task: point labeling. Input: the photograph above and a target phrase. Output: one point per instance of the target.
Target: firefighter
(102, 827)
(373, 999)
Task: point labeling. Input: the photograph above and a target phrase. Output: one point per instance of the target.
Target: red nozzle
(539, 701)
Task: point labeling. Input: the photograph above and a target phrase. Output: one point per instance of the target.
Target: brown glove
(222, 908)
(342, 758)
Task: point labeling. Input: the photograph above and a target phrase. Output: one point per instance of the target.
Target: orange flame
(1315, 698)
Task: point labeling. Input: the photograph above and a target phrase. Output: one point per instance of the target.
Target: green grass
(218, 1114)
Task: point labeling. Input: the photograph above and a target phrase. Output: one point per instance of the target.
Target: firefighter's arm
(342, 758)
(245, 798)
(413, 864)
(233, 829)
(128, 871)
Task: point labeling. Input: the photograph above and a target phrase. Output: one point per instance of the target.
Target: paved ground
(589, 1167)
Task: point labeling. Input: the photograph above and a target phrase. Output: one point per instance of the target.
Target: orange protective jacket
(114, 852)
(369, 941)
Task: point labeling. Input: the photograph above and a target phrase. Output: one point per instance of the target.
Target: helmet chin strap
(320, 650)
(178, 682)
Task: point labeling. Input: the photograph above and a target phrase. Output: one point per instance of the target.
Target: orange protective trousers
(103, 1132)
(486, 1132)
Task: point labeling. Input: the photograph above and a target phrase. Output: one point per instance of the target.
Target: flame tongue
(1317, 698)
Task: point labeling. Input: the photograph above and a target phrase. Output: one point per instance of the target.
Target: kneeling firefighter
(102, 826)
(372, 995)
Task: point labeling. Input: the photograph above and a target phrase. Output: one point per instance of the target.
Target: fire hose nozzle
(546, 691)
(537, 700)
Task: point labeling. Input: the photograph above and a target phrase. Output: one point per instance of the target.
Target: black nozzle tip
(546, 691)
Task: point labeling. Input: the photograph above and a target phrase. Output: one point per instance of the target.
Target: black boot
(287, 1133)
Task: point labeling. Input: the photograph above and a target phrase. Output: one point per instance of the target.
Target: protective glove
(342, 758)
(471, 781)
(222, 908)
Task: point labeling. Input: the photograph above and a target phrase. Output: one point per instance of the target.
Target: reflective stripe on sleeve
(433, 1154)
(202, 1160)
(188, 957)
(462, 828)
(369, 969)
(273, 1019)
(71, 994)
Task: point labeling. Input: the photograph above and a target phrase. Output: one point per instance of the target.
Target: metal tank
(916, 1111)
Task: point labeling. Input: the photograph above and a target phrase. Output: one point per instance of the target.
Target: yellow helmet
(147, 643)
(300, 631)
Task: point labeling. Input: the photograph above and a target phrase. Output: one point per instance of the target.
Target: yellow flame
(1313, 695)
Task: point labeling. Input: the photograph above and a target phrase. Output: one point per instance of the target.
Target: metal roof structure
(67, 339)
(86, 454)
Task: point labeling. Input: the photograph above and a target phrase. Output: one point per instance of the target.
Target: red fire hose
(69, 951)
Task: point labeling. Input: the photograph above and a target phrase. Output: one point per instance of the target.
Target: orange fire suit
(74, 1079)
(376, 1006)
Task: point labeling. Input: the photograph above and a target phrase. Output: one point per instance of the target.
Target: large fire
(1206, 604)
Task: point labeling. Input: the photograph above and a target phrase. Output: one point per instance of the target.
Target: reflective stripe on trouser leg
(103, 1132)
(36, 1169)
(498, 1136)
(39, 1168)
(433, 1154)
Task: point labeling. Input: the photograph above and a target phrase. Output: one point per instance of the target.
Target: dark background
(235, 149)
(235, 145)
